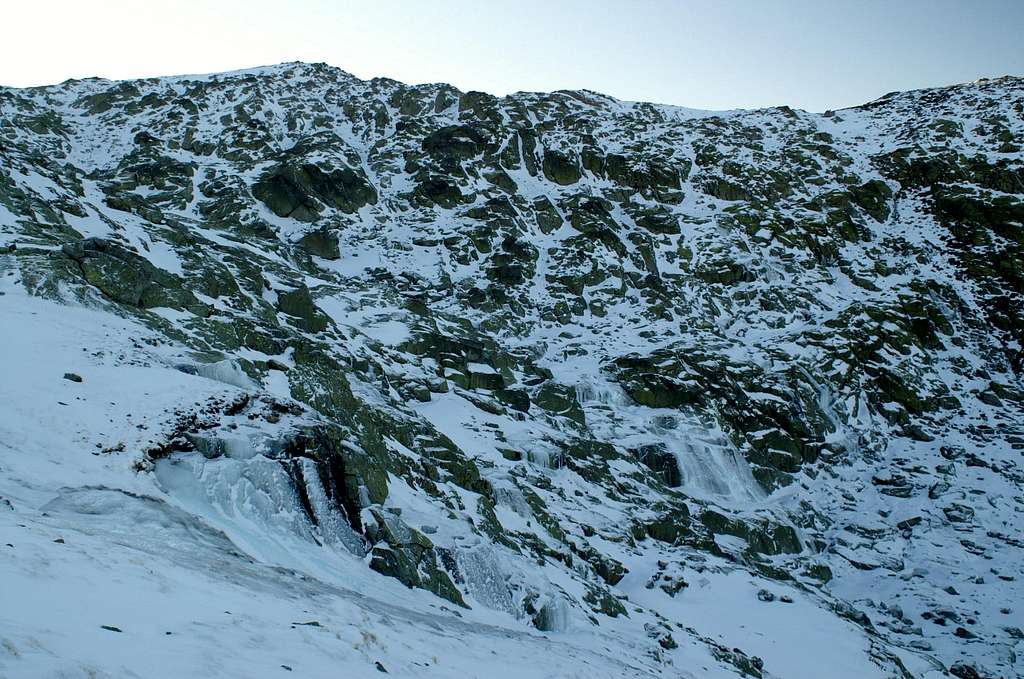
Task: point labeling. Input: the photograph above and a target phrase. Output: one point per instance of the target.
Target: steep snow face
(549, 384)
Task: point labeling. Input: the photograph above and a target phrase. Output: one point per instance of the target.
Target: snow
(218, 551)
(796, 640)
(186, 604)
(201, 555)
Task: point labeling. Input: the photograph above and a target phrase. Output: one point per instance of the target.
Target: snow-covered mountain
(311, 376)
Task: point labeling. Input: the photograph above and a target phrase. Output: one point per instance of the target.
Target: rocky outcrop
(301, 190)
(129, 278)
(524, 349)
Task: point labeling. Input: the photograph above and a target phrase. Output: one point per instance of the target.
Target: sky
(714, 54)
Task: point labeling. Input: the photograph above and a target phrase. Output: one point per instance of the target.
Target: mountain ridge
(682, 389)
(285, 65)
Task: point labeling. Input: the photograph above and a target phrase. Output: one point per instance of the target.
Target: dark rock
(724, 189)
(299, 303)
(459, 142)
(321, 243)
(559, 399)
(517, 399)
(906, 524)
(964, 670)
(407, 555)
(873, 197)
(670, 526)
(561, 168)
(299, 190)
(439, 191)
(762, 536)
(958, 513)
(128, 278)
(663, 463)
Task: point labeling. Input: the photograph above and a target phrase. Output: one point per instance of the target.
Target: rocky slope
(601, 388)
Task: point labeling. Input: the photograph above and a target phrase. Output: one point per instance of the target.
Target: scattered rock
(964, 670)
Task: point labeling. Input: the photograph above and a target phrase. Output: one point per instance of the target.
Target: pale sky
(716, 54)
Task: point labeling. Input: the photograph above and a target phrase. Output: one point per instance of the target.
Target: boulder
(321, 243)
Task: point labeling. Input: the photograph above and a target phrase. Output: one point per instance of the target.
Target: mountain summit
(310, 374)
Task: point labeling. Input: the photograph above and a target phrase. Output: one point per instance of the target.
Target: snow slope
(308, 375)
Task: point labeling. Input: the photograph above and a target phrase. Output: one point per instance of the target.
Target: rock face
(523, 349)
(126, 277)
(300, 191)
